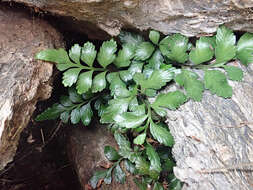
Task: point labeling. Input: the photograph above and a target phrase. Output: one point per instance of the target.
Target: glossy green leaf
(154, 158)
(118, 87)
(156, 60)
(99, 82)
(158, 79)
(116, 107)
(193, 86)
(63, 67)
(217, 83)
(75, 53)
(170, 100)
(84, 82)
(59, 56)
(203, 51)
(245, 49)
(175, 184)
(64, 117)
(130, 120)
(51, 113)
(225, 45)
(88, 53)
(74, 96)
(154, 36)
(106, 54)
(65, 101)
(111, 154)
(125, 75)
(175, 47)
(108, 177)
(144, 51)
(130, 167)
(125, 55)
(234, 73)
(130, 38)
(124, 145)
(119, 175)
(161, 134)
(140, 139)
(96, 177)
(86, 114)
(135, 67)
(75, 116)
(70, 76)
(158, 186)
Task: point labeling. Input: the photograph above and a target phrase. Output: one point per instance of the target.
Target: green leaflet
(130, 38)
(234, 73)
(125, 55)
(217, 83)
(108, 177)
(51, 113)
(106, 54)
(203, 52)
(192, 85)
(75, 115)
(161, 134)
(245, 49)
(86, 114)
(111, 154)
(130, 120)
(88, 53)
(154, 36)
(70, 77)
(96, 177)
(158, 79)
(116, 107)
(144, 51)
(156, 60)
(74, 96)
(175, 47)
(170, 100)
(124, 145)
(84, 82)
(158, 186)
(75, 53)
(64, 117)
(140, 139)
(119, 175)
(225, 45)
(130, 167)
(59, 56)
(99, 82)
(154, 158)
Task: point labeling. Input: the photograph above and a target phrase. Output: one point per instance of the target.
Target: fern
(121, 98)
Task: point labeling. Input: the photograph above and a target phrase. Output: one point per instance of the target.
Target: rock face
(189, 17)
(86, 151)
(216, 133)
(23, 81)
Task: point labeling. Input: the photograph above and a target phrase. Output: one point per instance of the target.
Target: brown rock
(189, 17)
(86, 151)
(23, 81)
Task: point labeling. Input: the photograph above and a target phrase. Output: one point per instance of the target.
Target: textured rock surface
(189, 17)
(23, 81)
(216, 133)
(86, 151)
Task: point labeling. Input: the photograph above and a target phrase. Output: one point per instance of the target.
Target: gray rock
(23, 80)
(215, 136)
(189, 17)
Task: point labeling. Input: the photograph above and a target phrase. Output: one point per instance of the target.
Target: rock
(23, 80)
(215, 133)
(86, 152)
(189, 17)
